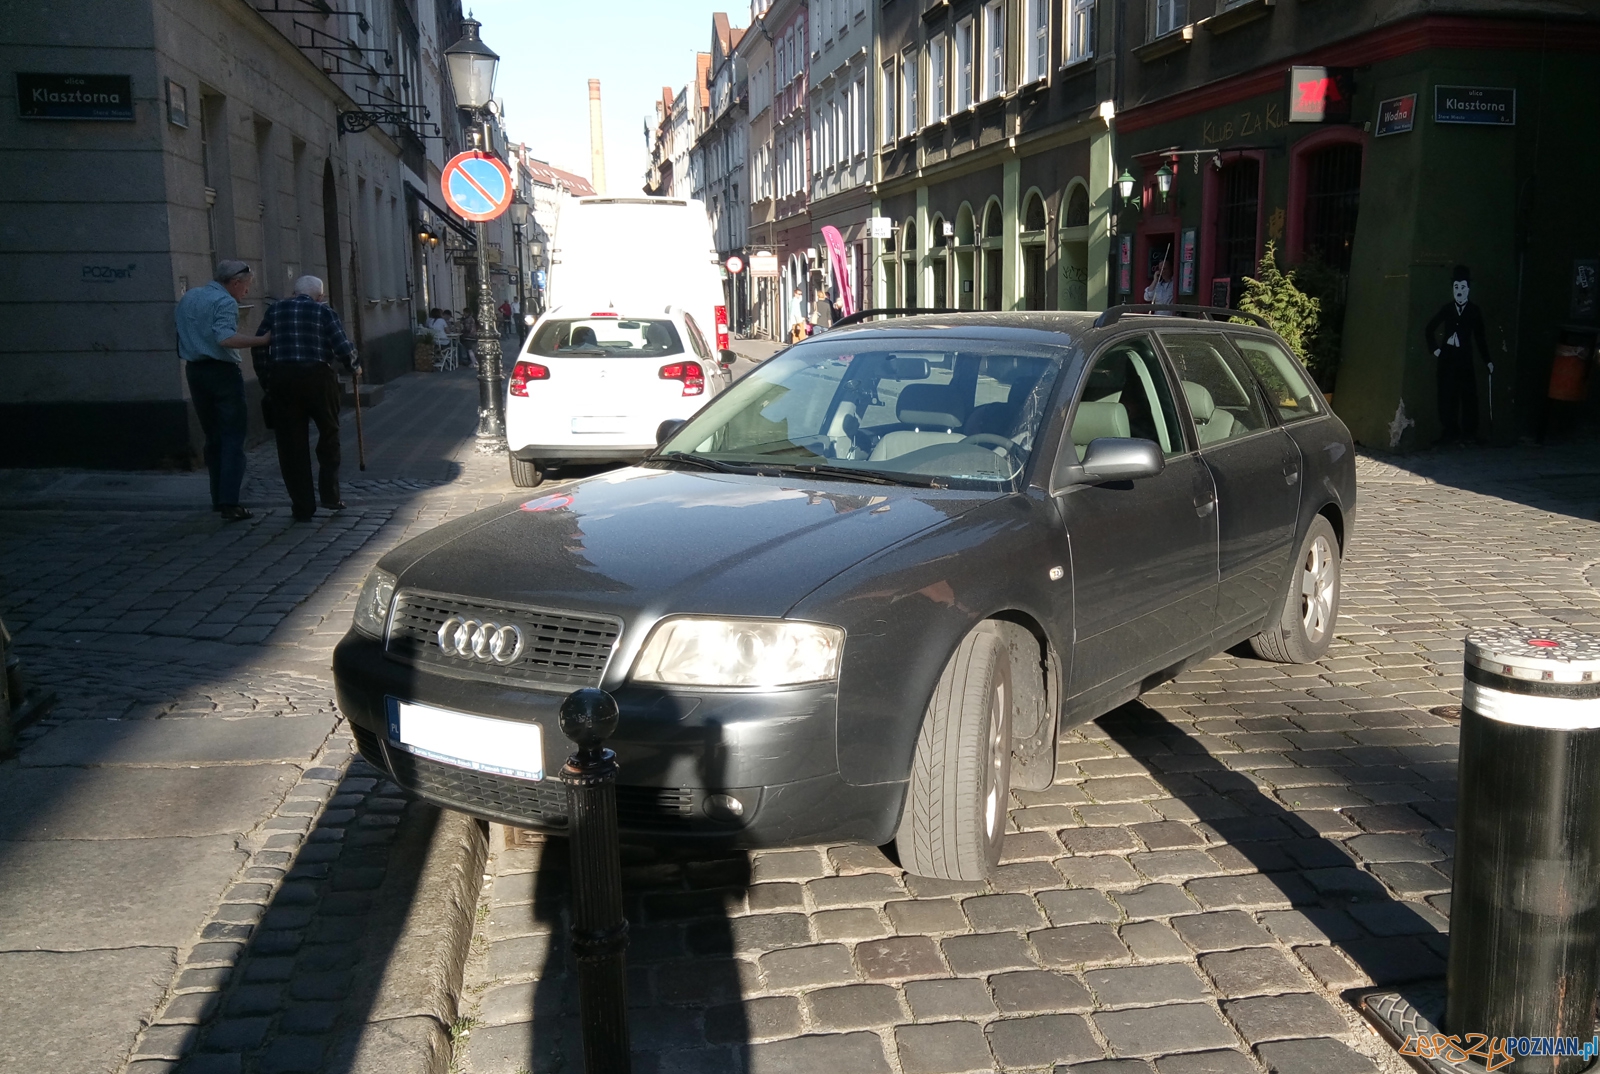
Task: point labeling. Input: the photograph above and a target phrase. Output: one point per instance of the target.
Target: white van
(640, 254)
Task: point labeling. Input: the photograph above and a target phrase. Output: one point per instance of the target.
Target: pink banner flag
(841, 270)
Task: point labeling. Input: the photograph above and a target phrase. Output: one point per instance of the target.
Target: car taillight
(690, 373)
(523, 372)
(722, 329)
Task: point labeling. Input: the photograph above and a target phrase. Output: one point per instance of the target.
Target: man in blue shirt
(306, 340)
(208, 333)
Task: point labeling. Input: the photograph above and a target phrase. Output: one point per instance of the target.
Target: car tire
(1304, 631)
(525, 473)
(954, 819)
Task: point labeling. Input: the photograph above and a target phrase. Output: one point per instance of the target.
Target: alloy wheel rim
(991, 799)
(1317, 590)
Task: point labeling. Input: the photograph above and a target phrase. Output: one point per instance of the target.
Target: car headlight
(739, 652)
(372, 606)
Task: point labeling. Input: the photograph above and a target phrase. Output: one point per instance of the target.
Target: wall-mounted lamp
(1164, 179)
(1125, 183)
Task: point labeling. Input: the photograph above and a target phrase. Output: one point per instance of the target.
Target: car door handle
(1290, 475)
(1204, 507)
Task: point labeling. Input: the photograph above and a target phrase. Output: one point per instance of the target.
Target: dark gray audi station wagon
(859, 594)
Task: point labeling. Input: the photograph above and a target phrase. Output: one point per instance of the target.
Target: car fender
(906, 608)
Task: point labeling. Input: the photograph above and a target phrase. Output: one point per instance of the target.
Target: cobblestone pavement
(190, 861)
(1215, 867)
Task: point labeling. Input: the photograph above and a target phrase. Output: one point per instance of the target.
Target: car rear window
(606, 337)
(1280, 377)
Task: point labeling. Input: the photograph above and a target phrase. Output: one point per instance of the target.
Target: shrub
(1289, 311)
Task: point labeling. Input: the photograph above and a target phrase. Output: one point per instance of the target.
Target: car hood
(647, 542)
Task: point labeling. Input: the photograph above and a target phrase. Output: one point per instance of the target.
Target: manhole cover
(1447, 712)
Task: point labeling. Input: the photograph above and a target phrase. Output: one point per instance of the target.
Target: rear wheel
(955, 813)
(525, 473)
(1304, 631)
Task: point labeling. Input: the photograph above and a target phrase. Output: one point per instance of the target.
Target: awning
(448, 218)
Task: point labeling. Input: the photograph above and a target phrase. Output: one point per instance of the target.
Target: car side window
(1222, 396)
(1286, 387)
(1126, 393)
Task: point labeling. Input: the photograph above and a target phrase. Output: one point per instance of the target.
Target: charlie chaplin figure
(1461, 324)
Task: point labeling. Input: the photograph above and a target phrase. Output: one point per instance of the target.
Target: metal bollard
(1525, 905)
(599, 929)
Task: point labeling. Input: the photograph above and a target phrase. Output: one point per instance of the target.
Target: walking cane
(361, 443)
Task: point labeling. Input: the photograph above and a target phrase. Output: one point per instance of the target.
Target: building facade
(722, 151)
(299, 143)
(842, 165)
(1378, 145)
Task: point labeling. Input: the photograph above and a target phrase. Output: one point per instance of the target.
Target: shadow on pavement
(1560, 478)
(1333, 899)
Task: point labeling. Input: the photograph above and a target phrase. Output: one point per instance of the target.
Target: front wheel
(525, 473)
(1303, 632)
(955, 813)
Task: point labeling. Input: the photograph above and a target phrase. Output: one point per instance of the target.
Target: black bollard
(599, 929)
(1525, 905)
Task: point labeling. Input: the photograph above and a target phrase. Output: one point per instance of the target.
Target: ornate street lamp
(472, 66)
(519, 221)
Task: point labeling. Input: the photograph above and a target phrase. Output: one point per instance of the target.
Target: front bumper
(774, 751)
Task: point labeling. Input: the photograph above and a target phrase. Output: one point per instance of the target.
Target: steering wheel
(1012, 449)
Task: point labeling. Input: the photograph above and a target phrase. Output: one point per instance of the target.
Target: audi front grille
(555, 649)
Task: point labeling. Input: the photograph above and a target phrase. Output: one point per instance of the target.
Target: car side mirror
(1110, 458)
(727, 358)
(667, 429)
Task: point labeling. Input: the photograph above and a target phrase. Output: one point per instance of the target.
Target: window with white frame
(818, 134)
(966, 46)
(837, 129)
(860, 146)
(994, 49)
(1169, 15)
(888, 96)
(938, 74)
(1079, 36)
(1036, 46)
(910, 115)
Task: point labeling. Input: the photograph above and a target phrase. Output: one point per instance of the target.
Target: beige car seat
(934, 414)
(1211, 423)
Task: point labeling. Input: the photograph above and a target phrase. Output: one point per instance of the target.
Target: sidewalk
(191, 862)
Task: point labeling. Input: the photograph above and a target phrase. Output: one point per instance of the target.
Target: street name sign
(476, 186)
(46, 96)
(1483, 106)
(1397, 115)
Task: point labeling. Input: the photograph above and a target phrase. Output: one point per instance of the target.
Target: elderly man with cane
(306, 339)
(208, 338)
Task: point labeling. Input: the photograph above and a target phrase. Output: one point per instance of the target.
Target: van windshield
(605, 337)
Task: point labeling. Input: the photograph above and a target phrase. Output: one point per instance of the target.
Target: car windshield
(934, 410)
(605, 337)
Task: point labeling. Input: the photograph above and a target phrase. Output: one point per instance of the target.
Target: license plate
(600, 425)
(481, 743)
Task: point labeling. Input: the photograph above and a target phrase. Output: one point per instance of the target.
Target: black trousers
(217, 390)
(303, 395)
(1458, 395)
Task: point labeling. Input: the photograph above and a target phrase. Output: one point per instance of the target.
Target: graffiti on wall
(1244, 124)
(1453, 334)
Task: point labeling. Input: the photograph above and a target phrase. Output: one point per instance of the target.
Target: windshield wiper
(850, 473)
(698, 460)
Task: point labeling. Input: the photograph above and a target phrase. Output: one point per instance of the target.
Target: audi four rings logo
(486, 642)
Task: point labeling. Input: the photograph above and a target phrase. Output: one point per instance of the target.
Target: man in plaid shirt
(304, 389)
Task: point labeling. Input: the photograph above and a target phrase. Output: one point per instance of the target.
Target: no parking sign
(476, 186)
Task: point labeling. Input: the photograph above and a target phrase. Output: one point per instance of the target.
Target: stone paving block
(899, 957)
(857, 924)
(1027, 991)
(1145, 985)
(923, 887)
(1078, 907)
(1097, 840)
(1151, 941)
(1167, 835)
(857, 890)
(1252, 971)
(1122, 789)
(1154, 900)
(1393, 848)
(1044, 817)
(1206, 1063)
(1398, 918)
(524, 956)
(747, 935)
(1318, 1055)
(960, 997)
(915, 916)
(1025, 876)
(1220, 931)
(1394, 959)
(763, 1018)
(823, 1052)
(1078, 945)
(1389, 818)
(942, 1048)
(804, 967)
(988, 913)
(762, 898)
(1107, 1066)
(1310, 925)
(1117, 813)
(193, 1008)
(1330, 967)
(1103, 871)
(703, 981)
(1023, 846)
(855, 1007)
(1152, 1031)
(1257, 892)
(1178, 865)
(1410, 879)
(1285, 1016)
(1041, 1040)
(787, 865)
(987, 953)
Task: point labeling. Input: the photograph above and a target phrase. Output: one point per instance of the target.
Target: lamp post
(472, 66)
(519, 221)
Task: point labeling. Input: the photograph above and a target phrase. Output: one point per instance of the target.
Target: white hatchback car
(594, 385)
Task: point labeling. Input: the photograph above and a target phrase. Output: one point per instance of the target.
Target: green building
(1378, 145)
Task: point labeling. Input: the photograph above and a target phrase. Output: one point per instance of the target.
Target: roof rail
(1113, 314)
(862, 315)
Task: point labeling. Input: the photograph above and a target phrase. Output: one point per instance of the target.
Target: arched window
(1033, 218)
(1077, 214)
(991, 220)
(939, 263)
(993, 254)
(1035, 281)
(964, 275)
(909, 265)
